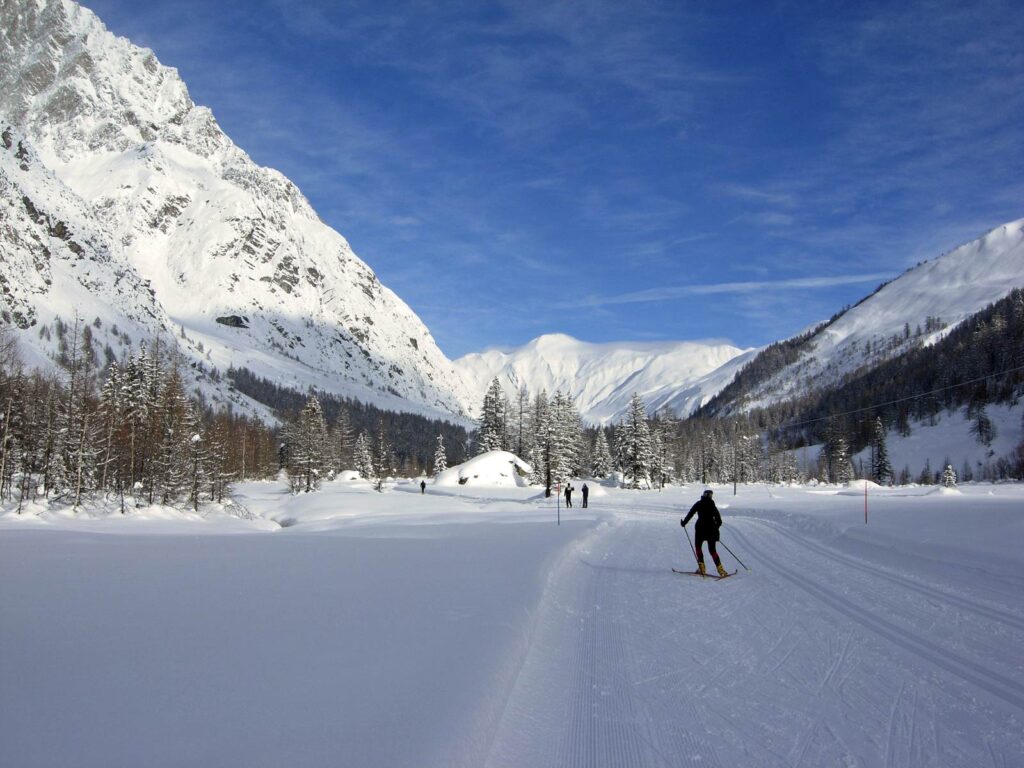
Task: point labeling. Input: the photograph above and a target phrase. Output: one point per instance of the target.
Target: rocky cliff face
(233, 258)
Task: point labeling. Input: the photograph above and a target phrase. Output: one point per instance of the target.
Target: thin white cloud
(672, 292)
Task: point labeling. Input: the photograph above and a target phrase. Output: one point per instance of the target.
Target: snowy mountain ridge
(235, 262)
(678, 375)
(918, 308)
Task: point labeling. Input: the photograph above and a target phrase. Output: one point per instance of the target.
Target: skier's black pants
(711, 549)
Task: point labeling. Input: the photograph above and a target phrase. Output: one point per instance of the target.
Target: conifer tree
(540, 427)
(881, 468)
(440, 456)
(308, 447)
(636, 444)
(341, 440)
(384, 460)
(519, 437)
(981, 425)
(363, 457)
(492, 419)
(836, 455)
(601, 460)
(195, 455)
(169, 462)
(949, 477)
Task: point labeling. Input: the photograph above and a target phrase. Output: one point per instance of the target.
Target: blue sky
(619, 170)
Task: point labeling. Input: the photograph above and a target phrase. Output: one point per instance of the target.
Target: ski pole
(732, 553)
(691, 546)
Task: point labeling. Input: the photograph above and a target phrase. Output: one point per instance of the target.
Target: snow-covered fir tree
(440, 456)
(308, 447)
(836, 455)
(540, 453)
(601, 459)
(363, 457)
(518, 423)
(492, 430)
(949, 476)
(384, 459)
(563, 438)
(636, 444)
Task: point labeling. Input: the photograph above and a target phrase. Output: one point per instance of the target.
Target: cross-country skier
(708, 522)
(586, 493)
(568, 494)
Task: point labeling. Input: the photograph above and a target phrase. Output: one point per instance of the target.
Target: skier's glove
(682, 523)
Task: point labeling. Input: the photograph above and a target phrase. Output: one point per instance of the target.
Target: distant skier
(568, 494)
(586, 493)
(708, 522)
(423, 486)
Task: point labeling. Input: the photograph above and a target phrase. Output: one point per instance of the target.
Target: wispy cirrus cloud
(673, 292)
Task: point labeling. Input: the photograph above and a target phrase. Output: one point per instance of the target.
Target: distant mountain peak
(678, 375)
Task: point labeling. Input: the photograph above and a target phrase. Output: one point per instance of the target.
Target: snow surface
(465, 627)
(678, 375)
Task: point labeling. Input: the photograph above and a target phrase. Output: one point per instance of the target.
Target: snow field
(463, 627)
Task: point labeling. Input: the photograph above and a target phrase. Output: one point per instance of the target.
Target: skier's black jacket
(708, 518)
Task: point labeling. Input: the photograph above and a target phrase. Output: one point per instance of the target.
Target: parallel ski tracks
(1003, 617)
(993, 683)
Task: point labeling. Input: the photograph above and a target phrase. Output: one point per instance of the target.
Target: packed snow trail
(812, 658)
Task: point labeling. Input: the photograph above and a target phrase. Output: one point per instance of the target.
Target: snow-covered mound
(494, 469)
(234, 260)
(679, 375)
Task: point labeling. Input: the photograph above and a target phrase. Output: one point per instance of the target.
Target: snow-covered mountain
(916, 309)
(679, 375)
(124, 201)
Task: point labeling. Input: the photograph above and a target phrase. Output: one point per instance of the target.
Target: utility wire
(901, 399)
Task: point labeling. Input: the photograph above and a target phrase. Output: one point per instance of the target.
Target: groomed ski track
(814, 657)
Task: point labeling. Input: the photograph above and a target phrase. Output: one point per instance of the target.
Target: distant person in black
(568, 495)
(586, 492)
(708, 522)
(423, 486)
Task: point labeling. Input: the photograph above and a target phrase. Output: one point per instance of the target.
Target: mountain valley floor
(467, 627)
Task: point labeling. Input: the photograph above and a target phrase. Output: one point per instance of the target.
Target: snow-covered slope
(237, 261)
(680, 375)
(56, 257)
(919, 307)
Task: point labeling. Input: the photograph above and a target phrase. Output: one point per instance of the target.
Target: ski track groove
(996, 685)
(995, 614)
(894, 722)
(576, 751)
(837, 663)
